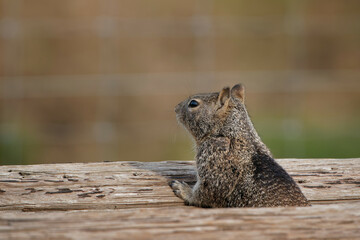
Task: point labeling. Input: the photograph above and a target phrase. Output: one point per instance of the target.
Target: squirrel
(234, 167)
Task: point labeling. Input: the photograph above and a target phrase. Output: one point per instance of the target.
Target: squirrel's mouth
(180, 120)
(178, 111)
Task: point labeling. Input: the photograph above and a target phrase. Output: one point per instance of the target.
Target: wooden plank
(340, 221)
(131, 200)
(135, 184)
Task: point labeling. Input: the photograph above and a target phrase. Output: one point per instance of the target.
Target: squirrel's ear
(223, 96)
(238, 91)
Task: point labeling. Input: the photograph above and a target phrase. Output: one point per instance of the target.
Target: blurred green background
(97, 80)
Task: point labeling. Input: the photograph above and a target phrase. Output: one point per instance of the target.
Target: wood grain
(132, 200)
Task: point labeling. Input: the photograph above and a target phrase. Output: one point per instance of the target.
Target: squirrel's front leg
(182, 190)
(185, 192)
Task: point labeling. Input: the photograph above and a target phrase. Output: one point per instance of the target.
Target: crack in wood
(89, 194)
(61, 190)
(319, 186)
(54, 181)
(31, 190)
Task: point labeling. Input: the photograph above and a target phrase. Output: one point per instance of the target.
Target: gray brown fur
(234, 167)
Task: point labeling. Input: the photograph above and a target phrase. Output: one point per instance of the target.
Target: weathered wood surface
(131, 200)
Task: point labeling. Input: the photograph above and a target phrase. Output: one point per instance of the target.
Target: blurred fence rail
(177, 83)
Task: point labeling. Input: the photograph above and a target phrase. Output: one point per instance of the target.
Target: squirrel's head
(212, 114)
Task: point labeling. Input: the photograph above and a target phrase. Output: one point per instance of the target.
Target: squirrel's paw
(181, 190)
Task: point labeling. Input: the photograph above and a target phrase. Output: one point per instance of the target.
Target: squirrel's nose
(177, 108)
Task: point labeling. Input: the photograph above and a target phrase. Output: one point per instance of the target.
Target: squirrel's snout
(177, 108)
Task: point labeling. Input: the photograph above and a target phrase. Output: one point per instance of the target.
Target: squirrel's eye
(193, 103)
